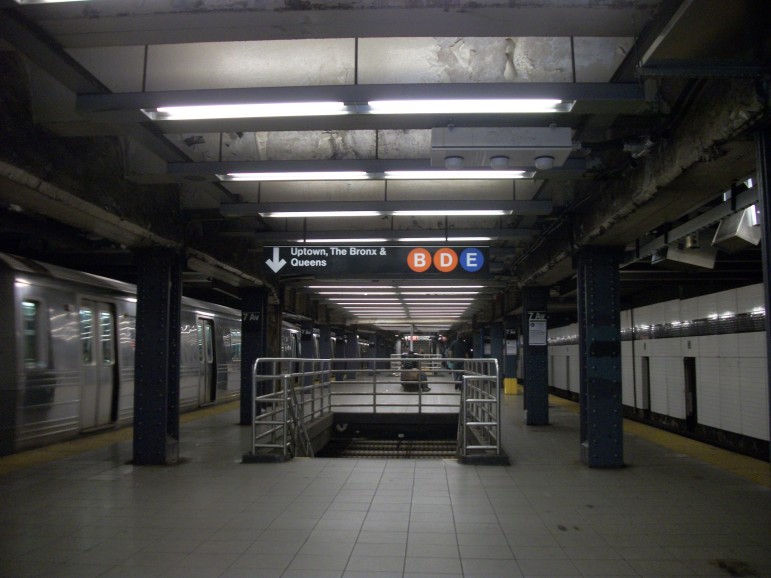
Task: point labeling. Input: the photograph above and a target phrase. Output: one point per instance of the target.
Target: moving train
(67, 355)
(694, 366)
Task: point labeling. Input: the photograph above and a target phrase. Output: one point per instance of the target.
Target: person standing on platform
(458, 349)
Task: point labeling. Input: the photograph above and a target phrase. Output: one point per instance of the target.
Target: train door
(207, 368)
(691, 417)
(98, 359)
(645, 377)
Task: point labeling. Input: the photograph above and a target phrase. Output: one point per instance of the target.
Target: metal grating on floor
(390, 449)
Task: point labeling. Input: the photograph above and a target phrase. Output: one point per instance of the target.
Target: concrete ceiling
(666, 99)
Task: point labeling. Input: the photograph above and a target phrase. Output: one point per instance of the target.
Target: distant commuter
(458, 349)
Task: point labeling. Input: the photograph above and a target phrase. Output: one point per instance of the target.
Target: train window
(105, 336)
(87, 334)
(209, 341)
(35, 350)
(200, 341)
(235, 344)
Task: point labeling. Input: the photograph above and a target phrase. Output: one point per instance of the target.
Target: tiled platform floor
(666, 514)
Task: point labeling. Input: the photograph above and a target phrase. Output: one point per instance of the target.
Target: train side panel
(67, 361)
(48, 368)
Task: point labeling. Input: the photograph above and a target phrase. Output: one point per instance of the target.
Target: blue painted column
(510, 355)
(478, 343)
(325, 342)
(497, 337)
(156, 385)
(763, 152)
(351, 350)
(535, 352)
(254, 340)
(307, 348)
(381, 351)
(599, 327)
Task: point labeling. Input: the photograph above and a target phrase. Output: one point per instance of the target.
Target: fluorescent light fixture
(296, 176)
(451, 213)
(469, 239)
(248, 110)
(357, 292)
(349, 240)
(342, 287)
(442, 300)
(420, 239)
(440, 292)
(47, 1)
(312, 214)
(471, 106)
(486, 174)
(441, 286)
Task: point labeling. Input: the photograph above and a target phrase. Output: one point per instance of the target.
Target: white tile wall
(730, 395)
(659, 394)
(726, 302)
(728, 345)
(671, 311)
(708, 391)
(625, 319)
(575, 368)
(750, 298)
(627, 374)
(706, 306)
(708, 345)
(752, 344)
(754, 397)
(732, 388)
(675, 384)
(689, 309)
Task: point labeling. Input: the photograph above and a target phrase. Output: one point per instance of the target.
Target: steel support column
(156, 387)
(351, 351)
(510, 353)
(307, 349)
(254, 342)
(325, 342)
(763, 140)
(478, 343)
(497, 337)
(535, 354)
(381, 351)
(600, 353)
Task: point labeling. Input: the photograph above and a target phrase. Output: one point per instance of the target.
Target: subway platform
(679, 508)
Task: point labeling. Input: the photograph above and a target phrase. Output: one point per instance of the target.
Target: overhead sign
(377, 260)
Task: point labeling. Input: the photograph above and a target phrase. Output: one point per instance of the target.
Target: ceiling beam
(268, 237)
(571, 169)
(255, 209)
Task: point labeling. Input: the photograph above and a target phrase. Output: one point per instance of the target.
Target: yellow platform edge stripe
(95, 441)
(757, 471)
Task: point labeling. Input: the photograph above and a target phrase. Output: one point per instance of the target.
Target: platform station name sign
(383, 259)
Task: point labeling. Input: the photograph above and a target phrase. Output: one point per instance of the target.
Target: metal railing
(287, 394)
(290, 393)
(480, 415)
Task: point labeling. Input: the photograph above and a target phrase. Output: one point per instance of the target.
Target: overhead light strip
(484, 174)
(377, 107)
(470, 106)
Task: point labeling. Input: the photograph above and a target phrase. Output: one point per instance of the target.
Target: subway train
(67, 356)
(694, 366)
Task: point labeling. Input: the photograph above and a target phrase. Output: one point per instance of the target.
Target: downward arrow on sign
(276, 263)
